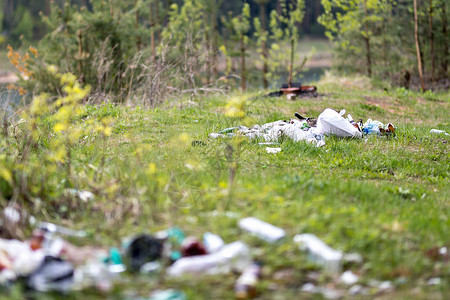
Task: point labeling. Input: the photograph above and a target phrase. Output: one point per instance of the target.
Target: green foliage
(94, 45)
(285, 31)
(387, 25)
(24, 28)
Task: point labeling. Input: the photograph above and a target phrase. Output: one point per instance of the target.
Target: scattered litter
(170, 294)
(437, 131)
(349, 278)
(216, 135)
(52, 228)
(245, 286)
(198, 143)
(234, 256)
(152, 267)
(381, 285)
(11, 214)
(272, 150)
(53, 274)
(353, 258)
(294, 90)
(434, 281)
(326, 292)
(212, 242)
(191, 246)
(330, 122)
(261, 229)
(357, 289)
(438, 254)
(310, 130)
(319, 252)
(143, 249)
(84, 196)
(20, 258)
(47, 262)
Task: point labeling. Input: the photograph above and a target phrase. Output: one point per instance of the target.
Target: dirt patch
(6, 77)
(388, 104)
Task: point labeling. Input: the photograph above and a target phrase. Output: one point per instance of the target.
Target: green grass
(385, 198)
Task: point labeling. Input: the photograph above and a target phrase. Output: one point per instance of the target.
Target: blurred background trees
(107, 43)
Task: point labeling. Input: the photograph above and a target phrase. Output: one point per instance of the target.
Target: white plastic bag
(331, 122)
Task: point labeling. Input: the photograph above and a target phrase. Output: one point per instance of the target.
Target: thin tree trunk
(291, 65)
(111, 8)
(215, 33)
(367, 42)
(8, 15)
(152, 30)
(264, 45)
(208, 53)
(317, 9)
(445, 40)
(80, 55)
(243, 75)
(158, 20)
(384, 45)
(136, 26)
(430, 25)
(416, 36)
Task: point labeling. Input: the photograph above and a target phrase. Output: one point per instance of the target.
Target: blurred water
(307, 77)
(10, 101)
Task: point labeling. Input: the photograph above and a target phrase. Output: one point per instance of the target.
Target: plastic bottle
(245, 286)
(319, 252)
(261, 229)
(233, 256)
(212, 242)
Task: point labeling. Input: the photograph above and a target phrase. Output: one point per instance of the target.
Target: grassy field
(384, 198)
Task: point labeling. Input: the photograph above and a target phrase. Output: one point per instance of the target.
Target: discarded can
(319, 252)
(191, 246)
(245, 287)
(261, 229)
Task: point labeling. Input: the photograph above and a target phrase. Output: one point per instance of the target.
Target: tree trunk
(158, 20)
(416, 36)
(208, 53)
(430, 25)
(279, 10)
(445, 40)
(152, 30)
(243, 75)
(264, 45)
(215, 33)
(111, 8)
(367, 41)
(384, 45)
(8, 15)
(291, 65)
(317, 9)
(136, 26)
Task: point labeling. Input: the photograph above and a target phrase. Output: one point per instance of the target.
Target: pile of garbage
(48, 262)
(312, 130)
